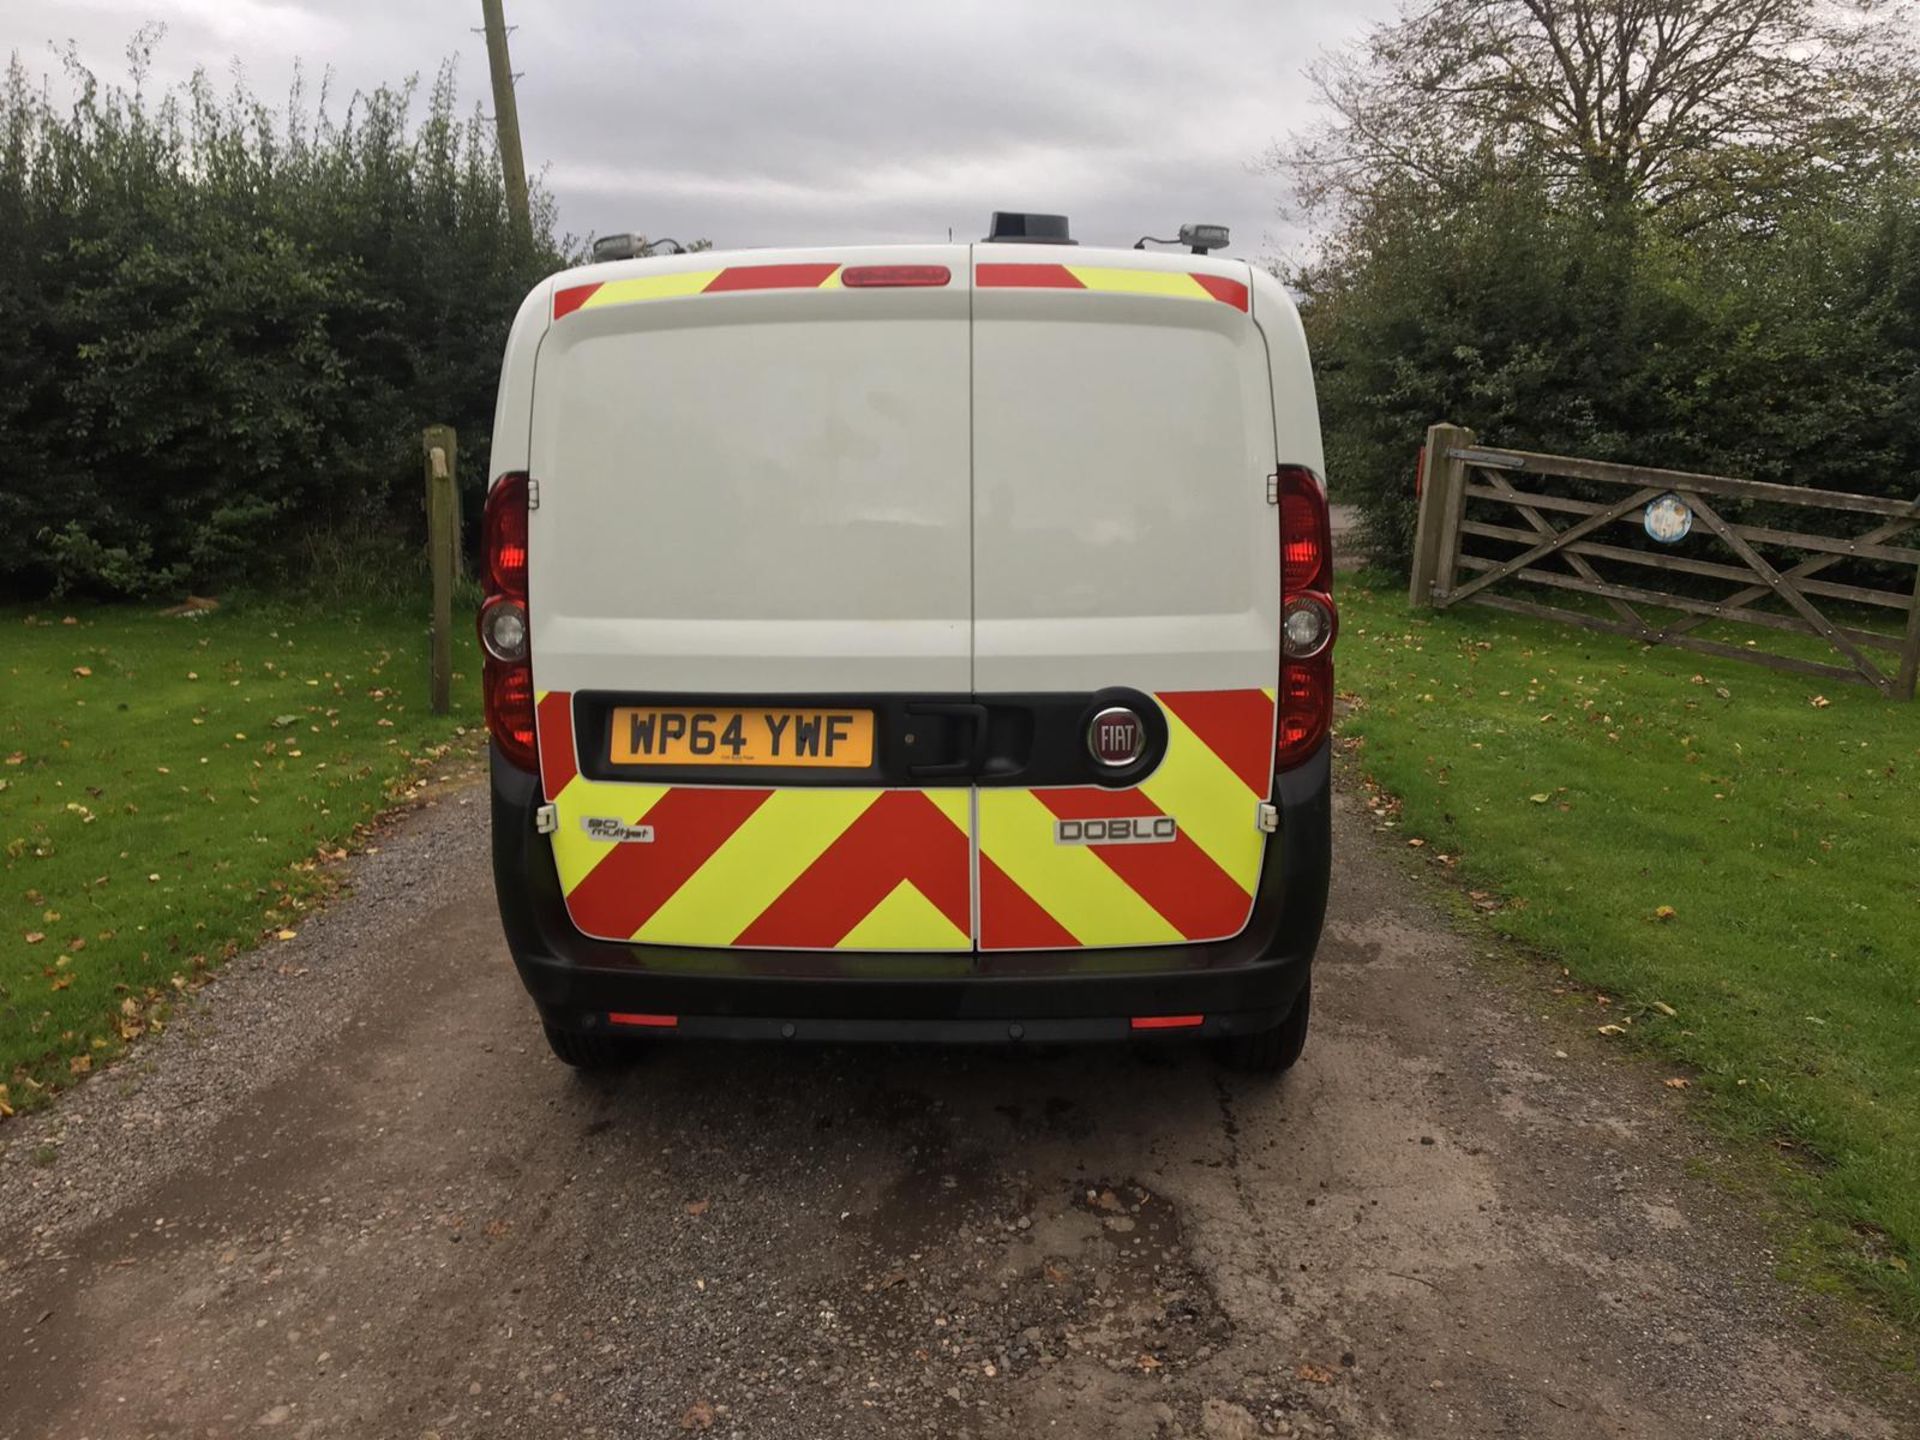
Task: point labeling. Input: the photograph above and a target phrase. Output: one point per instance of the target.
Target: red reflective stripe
(621, 893)
(1237, 725)
(565, 302)
(557, 764)
(1011, 919)
(1168, 1022)
(1230, 292)
(901, 836)
(1030, 277)
(644, 1022)
(1176, 877)
(770, 277)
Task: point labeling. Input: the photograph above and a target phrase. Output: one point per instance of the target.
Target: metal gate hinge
(533, 494)
(1267, 816)
(1273, 488)
(546, 820)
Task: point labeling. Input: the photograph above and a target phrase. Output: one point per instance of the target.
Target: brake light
(1306, 542)
(1309, 618)
(505, 537)
(871, 277)
(504, 623)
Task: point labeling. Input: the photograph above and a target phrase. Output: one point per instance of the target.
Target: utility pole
(507, 117)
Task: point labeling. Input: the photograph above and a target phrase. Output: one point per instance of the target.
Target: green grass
(171, 790)
(1735, 864)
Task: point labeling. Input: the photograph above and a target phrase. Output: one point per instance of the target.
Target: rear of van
(910, 642)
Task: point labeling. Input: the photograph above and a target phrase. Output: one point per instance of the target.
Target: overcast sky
(761, 123)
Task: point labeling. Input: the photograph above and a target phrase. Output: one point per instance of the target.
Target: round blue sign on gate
(1669, 520)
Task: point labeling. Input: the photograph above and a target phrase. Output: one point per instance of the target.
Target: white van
(911, 642)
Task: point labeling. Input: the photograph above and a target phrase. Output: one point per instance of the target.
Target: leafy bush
(222, 326)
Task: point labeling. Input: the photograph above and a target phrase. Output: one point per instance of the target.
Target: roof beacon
(1014, 227)
(1204, 237)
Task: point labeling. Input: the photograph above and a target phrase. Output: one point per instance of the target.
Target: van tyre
(589, 1052)
(1272, 1051)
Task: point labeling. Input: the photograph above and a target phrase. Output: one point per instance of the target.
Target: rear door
(1124, 550)
(752, 540)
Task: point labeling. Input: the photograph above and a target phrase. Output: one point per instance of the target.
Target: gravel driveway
(350, 1195)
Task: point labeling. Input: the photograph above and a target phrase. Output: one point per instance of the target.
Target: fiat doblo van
(919, 642)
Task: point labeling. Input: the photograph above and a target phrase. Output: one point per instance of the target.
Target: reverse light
(1306, 625)
(505, 630)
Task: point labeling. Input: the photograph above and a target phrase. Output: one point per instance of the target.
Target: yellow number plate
(677, 735)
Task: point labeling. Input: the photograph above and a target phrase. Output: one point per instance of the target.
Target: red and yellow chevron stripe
(1036, 894)
(791, 869)
(1112, 280)
(867, 869)
(694, 282)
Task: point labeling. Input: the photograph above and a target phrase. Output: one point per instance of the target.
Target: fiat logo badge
(1116, 737)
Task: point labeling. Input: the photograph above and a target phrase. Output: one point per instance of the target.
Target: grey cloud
(759, 123)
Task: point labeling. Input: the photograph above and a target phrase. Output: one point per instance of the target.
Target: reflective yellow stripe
(575, 853)
(755, 865)
(649, 287)
(1178, 285)
(1070, 882)
(905, 920)
(1214, 808)
(955, 805)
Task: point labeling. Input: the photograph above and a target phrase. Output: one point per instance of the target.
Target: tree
(1699, 107)
(1614, 229)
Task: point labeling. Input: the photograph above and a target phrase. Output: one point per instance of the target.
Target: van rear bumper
(1240, 985)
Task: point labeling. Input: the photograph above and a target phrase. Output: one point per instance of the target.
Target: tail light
(1309, 620)
(505, 626)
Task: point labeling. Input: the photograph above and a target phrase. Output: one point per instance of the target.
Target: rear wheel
(1274, 1050)
(589, 1052)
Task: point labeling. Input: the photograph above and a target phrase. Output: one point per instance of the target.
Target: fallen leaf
(1315, 1374)
(1678, 1082)
(82, 671)
(18, 757)
(62, 983)
(1540, 799)
(34, 937)
(1416, 843)
(284, 934)
(699, 1416)
(1056, 1273)
(1664, 1008)
(1613, 1029)
(698, 1207)
(80, 1064)
(1108, 1201)
(1819, 702)
(1898, 1262)
(1664, 912)
(1146, 1362)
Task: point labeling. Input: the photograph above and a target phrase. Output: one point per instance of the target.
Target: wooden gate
(1531, 536)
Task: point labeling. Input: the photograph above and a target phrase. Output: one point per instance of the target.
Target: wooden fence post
(1443, 499)
(439, 448)
(1909, 678)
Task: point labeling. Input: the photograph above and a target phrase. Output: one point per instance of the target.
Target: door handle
(976, 756)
